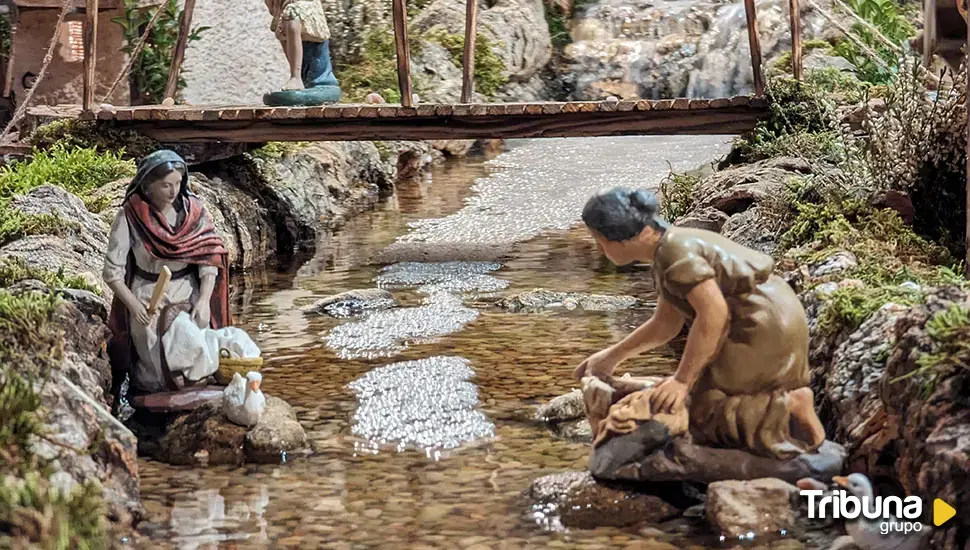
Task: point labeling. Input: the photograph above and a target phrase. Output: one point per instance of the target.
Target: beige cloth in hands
(610, 417)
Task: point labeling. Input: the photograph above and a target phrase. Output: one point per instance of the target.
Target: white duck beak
(254, 385)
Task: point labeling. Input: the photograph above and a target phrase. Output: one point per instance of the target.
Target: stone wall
(238, 59)
(63, 82)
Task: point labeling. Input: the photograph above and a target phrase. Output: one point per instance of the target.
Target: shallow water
(347, 496)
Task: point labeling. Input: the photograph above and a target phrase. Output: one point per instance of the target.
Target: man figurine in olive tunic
(743, 379)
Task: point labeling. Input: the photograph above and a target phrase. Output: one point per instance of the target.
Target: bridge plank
(681, 103)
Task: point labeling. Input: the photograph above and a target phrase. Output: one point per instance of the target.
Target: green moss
(103, 138)
(376, 69)
(558, 23)
(36, 515)
(800, 115)
(489, 69)
(783, 62)
(14, 270)
(276, 150)
(32, 513)
(949, 332)
(385, 150)
(888, 251)
(78, 170)
(677, 191)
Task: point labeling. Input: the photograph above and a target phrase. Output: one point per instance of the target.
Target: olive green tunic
(740, 399)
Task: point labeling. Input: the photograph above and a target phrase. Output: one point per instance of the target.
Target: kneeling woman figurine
(161, 224)
(744, 373)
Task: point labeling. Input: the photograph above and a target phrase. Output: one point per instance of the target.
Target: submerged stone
(540, 298)
(752, 509)
(429, 278)
(578, 500)
(352, 303)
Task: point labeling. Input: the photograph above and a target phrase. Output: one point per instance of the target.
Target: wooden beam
(185, 28)
(728, 120)
(400, 16)
(468, 66)
(90, 52)
(796, 38)
(929, 31)
(967, 202)
(11, 60)
(754, 43)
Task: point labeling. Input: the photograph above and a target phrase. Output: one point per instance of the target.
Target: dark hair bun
(644, 201)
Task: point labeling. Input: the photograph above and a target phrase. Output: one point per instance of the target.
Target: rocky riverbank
(886, 304)
(65, 449)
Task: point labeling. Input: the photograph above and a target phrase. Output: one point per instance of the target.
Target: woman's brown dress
(741, 397)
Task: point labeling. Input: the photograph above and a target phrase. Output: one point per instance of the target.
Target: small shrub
(38, 515)
(677, 191)
(489, 69)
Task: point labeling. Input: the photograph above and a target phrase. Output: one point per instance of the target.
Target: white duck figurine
(864, 532)
(242, 400)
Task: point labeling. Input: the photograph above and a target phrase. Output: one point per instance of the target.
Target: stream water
(462, 487)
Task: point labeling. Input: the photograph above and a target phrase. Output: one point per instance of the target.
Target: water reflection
(342, 498)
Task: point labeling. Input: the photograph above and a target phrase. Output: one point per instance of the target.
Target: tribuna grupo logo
(898, 515)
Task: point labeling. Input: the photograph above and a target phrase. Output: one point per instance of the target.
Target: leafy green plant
(893, 22)
(489, 69)
(149, 73)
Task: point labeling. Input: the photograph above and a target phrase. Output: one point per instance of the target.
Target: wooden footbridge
(409, 121)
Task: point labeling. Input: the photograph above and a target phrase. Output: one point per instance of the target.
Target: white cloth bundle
(195, 352)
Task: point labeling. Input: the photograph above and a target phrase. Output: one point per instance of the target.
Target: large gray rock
(582, 502)
(761, 506)
(650, 50)
(84, 441)
(751, 229)
(516, 28)
(277, 435)
(568, 406)
(735, 189)
(78, 251)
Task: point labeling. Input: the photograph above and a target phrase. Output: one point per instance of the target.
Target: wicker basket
(229, 365)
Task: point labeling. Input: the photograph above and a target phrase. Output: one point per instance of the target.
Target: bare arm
(703, 342)
(705, 334)
(206, 286)
(663, 327)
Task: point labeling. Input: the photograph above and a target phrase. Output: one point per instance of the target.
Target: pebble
(373, 513)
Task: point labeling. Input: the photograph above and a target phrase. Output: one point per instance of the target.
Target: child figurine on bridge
(301, 27)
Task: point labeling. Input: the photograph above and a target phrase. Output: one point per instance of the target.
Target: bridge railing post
(754, 42)
(90, 44)
(794, 15)
(400, 16)
(185, 28)
(468, 62)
